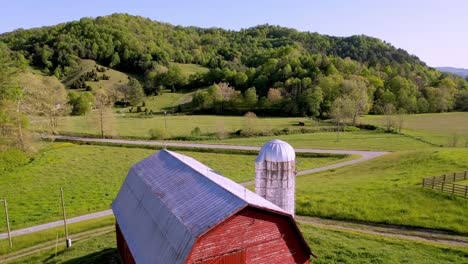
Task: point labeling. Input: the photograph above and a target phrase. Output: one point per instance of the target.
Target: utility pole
(67, 239)
(5, 206)
(165, 128)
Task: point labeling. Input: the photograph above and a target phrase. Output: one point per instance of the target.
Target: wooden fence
(445, 183)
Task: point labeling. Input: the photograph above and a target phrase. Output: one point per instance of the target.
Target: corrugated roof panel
(168, 200)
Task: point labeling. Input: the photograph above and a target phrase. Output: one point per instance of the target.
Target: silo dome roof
(276, 151)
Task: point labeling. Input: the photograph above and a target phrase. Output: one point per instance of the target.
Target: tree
(132, 92)
(81, 104)
(356, 93)
(44, 96)
(389, 121)
(251, 97)
(105, 117)
(274, 95)
(115, 60)
(310, 101)
(342, 109)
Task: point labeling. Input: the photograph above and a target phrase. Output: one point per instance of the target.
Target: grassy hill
(116, 77)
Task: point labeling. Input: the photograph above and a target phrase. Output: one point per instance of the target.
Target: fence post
(454, 176)
(433, 178)
(443, 183)
(453, 188)
(445, 177)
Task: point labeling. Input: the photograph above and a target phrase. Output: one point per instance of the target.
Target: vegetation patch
(387, 190)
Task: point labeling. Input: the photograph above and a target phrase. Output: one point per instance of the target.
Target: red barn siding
(264, 236)
(122, 248)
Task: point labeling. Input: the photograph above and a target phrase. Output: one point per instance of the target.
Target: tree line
(307, 72)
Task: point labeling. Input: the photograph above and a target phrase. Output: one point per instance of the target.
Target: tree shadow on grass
(105, 256)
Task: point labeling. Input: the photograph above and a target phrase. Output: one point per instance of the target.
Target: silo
(275, 174)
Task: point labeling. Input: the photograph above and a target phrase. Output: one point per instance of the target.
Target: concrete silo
(275, 174)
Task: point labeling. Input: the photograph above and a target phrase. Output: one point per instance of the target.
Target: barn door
(231, 258)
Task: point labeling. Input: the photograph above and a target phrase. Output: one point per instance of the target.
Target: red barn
(173, 209)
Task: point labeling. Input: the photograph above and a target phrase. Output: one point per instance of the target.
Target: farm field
(388, 190)
(447, 129)
(29, 240)
(166, 101)
(360, 140)
(92, 175)
(331, 246)
(130, 125)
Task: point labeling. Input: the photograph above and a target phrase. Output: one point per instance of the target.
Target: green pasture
(116, 77)
(359, 140)
(190, 68)
(331, 246)
(132, 125)
(446, 129)
(92, 175)
(388, 190)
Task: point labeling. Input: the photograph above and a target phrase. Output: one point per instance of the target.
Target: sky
(434, 30)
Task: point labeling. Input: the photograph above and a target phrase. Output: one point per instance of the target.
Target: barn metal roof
(168, 200)
(276, 151)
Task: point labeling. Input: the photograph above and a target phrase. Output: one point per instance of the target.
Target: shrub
(196, 132)
(11, 159)
(156, 133)
(350, 129)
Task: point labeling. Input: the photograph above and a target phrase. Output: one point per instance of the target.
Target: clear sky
(434, 30)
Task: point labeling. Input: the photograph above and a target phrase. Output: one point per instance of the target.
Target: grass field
(166, 101)
(189, 68)
(177, 125)
(116, 77)
(360, 140)
(92, 175)
(388, 190)
(447, 129)
(29, 240)
(331, 246)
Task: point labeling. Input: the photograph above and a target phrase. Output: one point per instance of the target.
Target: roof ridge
(273, 206)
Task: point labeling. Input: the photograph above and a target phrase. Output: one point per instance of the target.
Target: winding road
(389, 231)
(364, 155)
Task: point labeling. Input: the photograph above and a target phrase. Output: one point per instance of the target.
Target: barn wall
(265, 237)
(122, 248)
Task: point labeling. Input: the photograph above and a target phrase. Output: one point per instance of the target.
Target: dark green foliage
(310, 70)
(81, 104)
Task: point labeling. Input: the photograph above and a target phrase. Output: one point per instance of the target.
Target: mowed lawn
(92, 175)
(331, 246)
(360, 140)
(445, 129)
(129, 125)
(388, 190)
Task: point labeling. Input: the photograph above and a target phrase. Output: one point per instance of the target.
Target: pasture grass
(339, 246)
(129, 125)
(116, 77)
(92, 175)
(360, 140)
(29, 240)
(190, 68)
(446, 129)
(388, 190)
(166, 101)
(331, 246)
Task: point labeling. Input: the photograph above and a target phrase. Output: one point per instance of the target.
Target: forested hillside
(267, 69)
